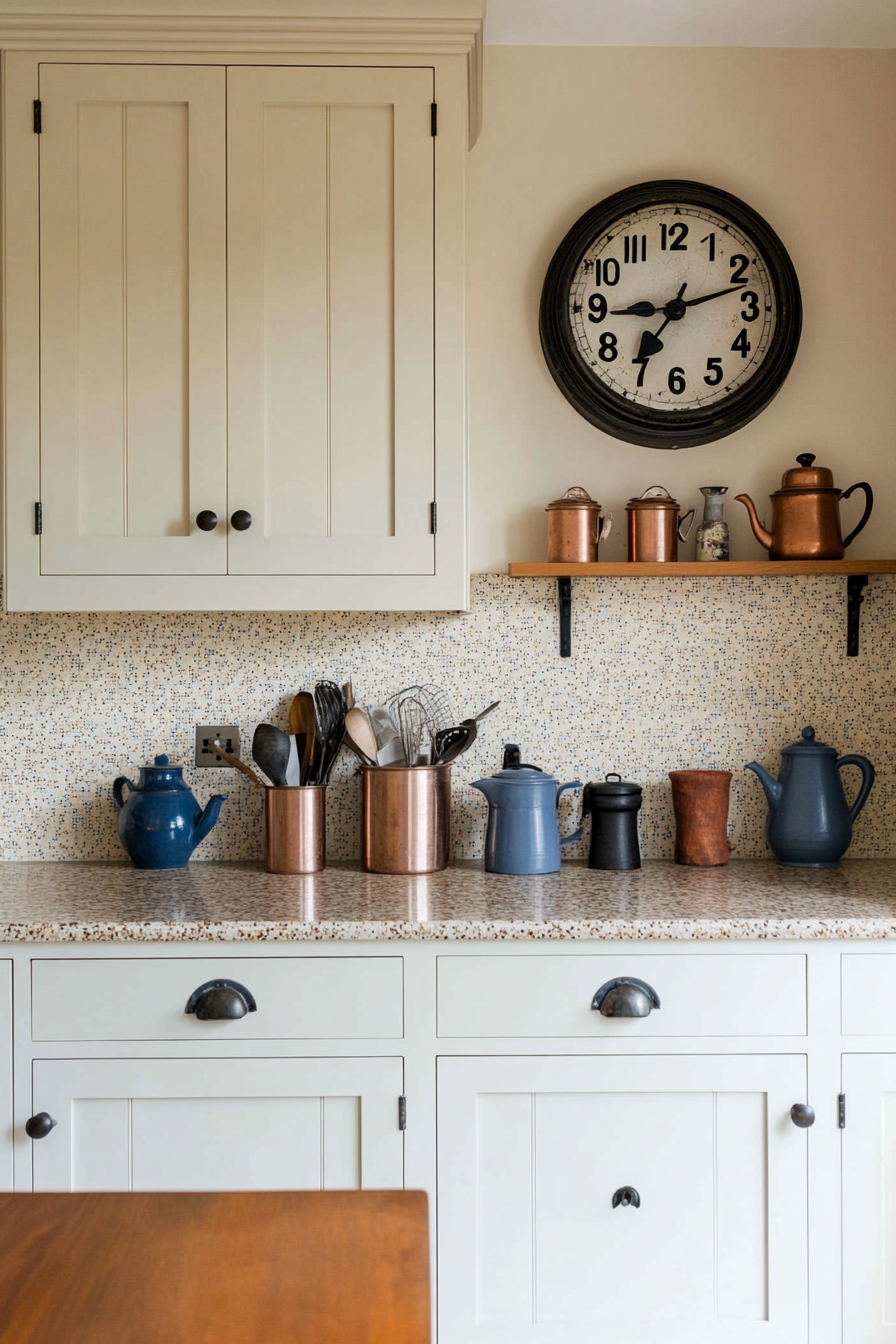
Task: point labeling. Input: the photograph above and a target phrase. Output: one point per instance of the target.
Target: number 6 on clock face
(670, 314)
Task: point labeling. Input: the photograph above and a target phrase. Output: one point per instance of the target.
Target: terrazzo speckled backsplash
(665, 674)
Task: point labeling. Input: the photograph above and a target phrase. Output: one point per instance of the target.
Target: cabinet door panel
(330, 254)
(869, 1200)
(531, 1152)
(6, 1134)
(199, 1124)
(133, 290)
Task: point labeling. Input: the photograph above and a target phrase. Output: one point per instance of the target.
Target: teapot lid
(654, 497)
(576, 497)
(162, 763)
(807, 477)
(807, 743)
(516, 771)
(613, 786)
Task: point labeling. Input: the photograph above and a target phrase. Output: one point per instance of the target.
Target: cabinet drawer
(868, 994)
(529, 996)
(298, 998)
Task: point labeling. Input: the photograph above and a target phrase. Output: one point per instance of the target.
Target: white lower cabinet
(541, 1237)
(219, 1124)
(6, 1112)
(869, 1200)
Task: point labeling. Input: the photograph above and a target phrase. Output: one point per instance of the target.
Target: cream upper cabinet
(330, 279)
(133, 431)
(234, 301)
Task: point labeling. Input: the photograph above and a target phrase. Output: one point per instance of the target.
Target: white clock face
(673, 308)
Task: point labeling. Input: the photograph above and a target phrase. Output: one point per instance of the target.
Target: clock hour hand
(644, 309)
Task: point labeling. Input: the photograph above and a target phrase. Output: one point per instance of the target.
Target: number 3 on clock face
(670, 314)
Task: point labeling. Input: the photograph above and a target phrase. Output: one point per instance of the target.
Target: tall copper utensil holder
(296, 829)
(405, 818)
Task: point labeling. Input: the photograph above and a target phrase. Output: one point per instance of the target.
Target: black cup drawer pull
(626, 997)
(627, 1197)
(39, 1126)
(221, 1000)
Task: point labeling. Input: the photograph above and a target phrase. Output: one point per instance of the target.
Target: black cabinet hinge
(841, 1110)
(433, 518)
(434, 118)
(37, 124)
(402, 1112)
(38, 518)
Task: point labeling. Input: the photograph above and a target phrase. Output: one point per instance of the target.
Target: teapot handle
(576, 835)
(867, 770)
(869, 505)
(682, 530)
(117, 788)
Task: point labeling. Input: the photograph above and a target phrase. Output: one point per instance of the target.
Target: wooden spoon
(303, 719)
(360, 735)
(239, 765)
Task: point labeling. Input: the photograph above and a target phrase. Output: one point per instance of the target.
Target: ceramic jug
(161, 822)
(522, 835)
(809, 823)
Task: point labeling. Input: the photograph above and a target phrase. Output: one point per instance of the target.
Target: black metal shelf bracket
(854, 599)
(564, 599)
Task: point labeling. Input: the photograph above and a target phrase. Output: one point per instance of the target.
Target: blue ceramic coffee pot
(161, 822)
(809, 823)
(522, 835)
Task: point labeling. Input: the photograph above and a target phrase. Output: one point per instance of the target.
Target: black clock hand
(650, 340)
(705, 298)
(644, 309)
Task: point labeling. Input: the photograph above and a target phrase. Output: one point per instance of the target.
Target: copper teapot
(806, 514)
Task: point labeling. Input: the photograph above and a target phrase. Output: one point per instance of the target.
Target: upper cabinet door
(132, 318)
(331, 340)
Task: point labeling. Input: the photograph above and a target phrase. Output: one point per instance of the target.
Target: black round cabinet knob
(207, 520)
(39, 1126)
(803, 1116)
(241, 520)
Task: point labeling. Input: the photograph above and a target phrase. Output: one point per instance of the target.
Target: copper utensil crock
(575, 527)
(806, 514)
(295, 829)
(405, 818)
(655, 526)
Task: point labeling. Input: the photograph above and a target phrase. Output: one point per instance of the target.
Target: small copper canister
(655, 527)
(295, 829)
(575, 527)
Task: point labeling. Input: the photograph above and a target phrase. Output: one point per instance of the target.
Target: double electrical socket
(207, 734)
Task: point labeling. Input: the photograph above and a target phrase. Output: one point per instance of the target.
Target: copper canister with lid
(655, 525)
(576, 527)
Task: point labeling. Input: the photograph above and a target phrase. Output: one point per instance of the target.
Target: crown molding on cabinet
(377, 27)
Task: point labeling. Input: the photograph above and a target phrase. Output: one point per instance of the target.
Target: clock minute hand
(705, 298)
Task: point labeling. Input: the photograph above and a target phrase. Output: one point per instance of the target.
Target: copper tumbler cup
(700, 801)
(296, 829)
(405, 818)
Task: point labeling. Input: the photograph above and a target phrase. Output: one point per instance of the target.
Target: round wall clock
(670, 314)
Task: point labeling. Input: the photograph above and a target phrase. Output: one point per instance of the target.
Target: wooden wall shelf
(856, 573)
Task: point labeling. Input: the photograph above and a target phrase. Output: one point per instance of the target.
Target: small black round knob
(626, 1197)
(39, 1126)
(802, 1116)
(805, 459)
(241, 520)
(207, 520)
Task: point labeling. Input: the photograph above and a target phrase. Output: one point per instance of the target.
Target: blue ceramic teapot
(522, 835)
(161, 823)
(809, 824)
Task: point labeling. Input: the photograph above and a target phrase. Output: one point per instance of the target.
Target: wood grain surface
(704, 569)
(273, 1268)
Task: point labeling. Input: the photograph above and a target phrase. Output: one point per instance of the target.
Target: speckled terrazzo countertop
(238, 902)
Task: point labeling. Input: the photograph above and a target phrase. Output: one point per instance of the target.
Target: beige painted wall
(805, 137)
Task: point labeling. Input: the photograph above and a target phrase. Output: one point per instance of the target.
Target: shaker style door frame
(25, 587)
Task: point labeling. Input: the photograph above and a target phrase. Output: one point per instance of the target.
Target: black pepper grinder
(614, 806)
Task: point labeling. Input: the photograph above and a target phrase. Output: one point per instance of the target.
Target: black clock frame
(641, 424)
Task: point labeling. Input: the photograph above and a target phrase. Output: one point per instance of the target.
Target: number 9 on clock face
(670, 314)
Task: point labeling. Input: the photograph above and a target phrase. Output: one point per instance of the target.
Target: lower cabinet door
(640, 1200)
(869, 1200)
(234, 1124)
(6, 1132)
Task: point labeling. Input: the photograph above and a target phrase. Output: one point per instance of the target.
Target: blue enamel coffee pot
(522, 835)
(161, 822)
(809, 823)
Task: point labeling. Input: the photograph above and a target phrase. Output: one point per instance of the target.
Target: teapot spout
(486, 786)
(762, 536)
(773, 789)
(207, 818)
